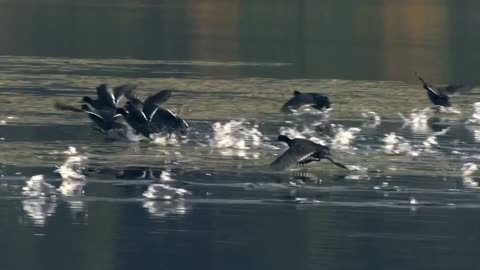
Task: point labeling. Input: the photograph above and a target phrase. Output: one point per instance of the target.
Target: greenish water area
(409, 199)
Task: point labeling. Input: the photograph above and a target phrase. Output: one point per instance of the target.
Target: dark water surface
(232, 60)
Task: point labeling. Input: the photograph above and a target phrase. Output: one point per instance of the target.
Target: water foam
(165, 139)
(306, 133)
(372, 118)
(469, 172)
(344, 137)
(71, 169)
(236, 135)
(475, 118)
(418, 120)
(37, 187)
(163, 189)
(448, 110)
(469, 169)
(73, 181)
(237, 138)
(395, 144)
(164, 192)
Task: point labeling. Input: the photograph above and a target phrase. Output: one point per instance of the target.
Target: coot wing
(151, 103)
(299, 150)
(119, 91)
(105, 97)
(128, 93)
(159, 98)
(289, 158)
(456, 89)
(297, 101)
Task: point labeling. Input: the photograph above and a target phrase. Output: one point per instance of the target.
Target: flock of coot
(145, 117)
(119, 110)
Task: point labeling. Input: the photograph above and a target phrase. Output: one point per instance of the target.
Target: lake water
(234, 63)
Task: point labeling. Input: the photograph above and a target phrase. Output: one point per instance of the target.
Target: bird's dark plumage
(102, 110)
(104, 120)
(136, 119)
(108, 98)
(105, 97)
(165, 121)
(302, 151)
(439, 95)
(316, 101)
(150, 105)
(120, 90)
(146, 117)
(158, 98)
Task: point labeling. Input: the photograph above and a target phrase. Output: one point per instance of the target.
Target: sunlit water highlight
(398, 157)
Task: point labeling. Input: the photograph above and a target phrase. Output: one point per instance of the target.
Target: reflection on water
(409, 199)
(38, 209)
(161, 209)
(348, 40)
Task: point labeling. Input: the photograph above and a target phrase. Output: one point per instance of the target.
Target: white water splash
(357, 168)
(307, 133)
(307, 109)
(448, 110)
(165, 139)
(162, 190)
(165, 192)
(469, 172)
(372, 118)
(71, 151)
(71, 169)
(357, 172)
(430, 142)
(37, 187)
(395, 144)
(469, 169)
(166, 176)
(418, 120)
(475, 119)
(72, 188)
(293, 132)
(475, 129)
(344, 137)
(236, 135)
(385, 186)
(413, 201)
(357, 177)
(71, 172)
